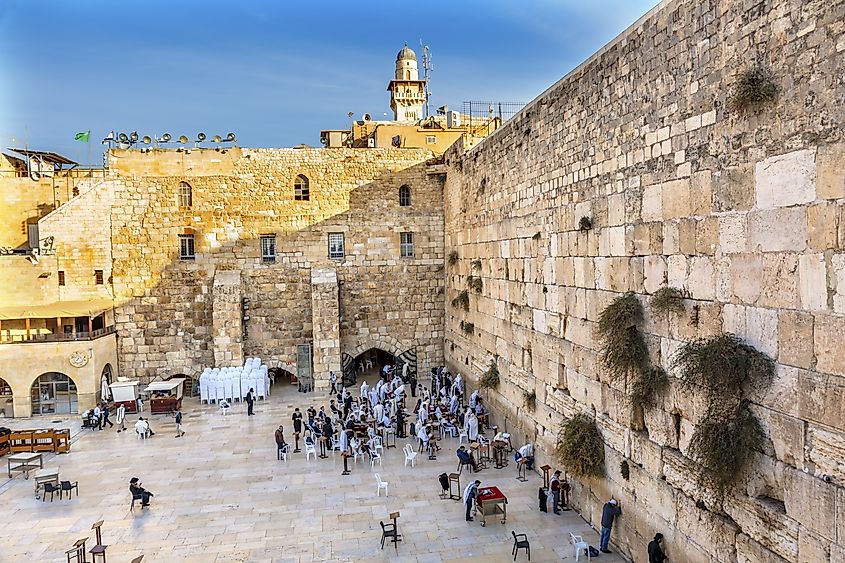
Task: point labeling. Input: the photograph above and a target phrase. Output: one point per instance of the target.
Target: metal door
(347, 364)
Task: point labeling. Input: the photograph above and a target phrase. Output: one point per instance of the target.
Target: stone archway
(402, 352)
(54, 393)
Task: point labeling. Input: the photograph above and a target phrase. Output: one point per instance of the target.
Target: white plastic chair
(375, 445)
(284, 453)
(224, 406)
(375, 457)
(335, 445)
(410, 455)
(309, 450)
(381, 485)
(579, 544)
(462, 433)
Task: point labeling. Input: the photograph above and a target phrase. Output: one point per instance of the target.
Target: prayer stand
(545, 469)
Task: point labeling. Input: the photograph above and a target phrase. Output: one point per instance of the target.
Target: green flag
(84, 136)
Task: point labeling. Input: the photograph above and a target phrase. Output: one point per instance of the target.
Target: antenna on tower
(427, 68)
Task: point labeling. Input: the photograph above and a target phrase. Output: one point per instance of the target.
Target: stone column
(227, 336)
(325, 317)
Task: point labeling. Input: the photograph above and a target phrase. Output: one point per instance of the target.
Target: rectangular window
(186, 247)
(406, 245)
(98, 277)
(430, 139)
(268, 248)
(32, 234)
(337, 249)
(61, 277)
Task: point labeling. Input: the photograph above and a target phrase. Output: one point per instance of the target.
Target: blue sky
(275, 72)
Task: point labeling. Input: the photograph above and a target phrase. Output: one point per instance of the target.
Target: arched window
(300, 189)
(53, 393)
(405, 196)
(185, 195)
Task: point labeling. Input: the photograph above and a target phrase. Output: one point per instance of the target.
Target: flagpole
(88, 158)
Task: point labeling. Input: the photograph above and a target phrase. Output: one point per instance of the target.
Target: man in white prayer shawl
(472, 426)
(453, 405)
(473, 399)
(364, 389)
(378, 411)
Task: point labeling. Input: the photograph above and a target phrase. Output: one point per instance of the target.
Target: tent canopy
(88, 308)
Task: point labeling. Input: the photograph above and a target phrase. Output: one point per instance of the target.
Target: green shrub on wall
(580, 447)
(452, 257)
(723, 443)
(468, 327)
(490, 378)
(723, 364)
(647, 385)
(529, 399)
(754, 89)
(668, 300)
(624, 351)
(461, 301)
(475, 283)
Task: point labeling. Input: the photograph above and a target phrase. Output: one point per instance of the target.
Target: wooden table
(490, 502)
(24, 463)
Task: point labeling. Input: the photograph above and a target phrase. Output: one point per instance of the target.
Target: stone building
(634, 172)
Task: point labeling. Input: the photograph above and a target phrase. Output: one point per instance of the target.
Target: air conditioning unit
(453, 119)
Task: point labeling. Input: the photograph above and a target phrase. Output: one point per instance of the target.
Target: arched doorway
(105, 382)
(5, 398)
(54, 393)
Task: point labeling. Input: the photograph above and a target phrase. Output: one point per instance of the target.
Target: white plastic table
(24, 463)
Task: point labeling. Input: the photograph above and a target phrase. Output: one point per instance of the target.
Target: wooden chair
(76, 554)
(69, 487)
(520, 541)
(389, 531)
(99, 549)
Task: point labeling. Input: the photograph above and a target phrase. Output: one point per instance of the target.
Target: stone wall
(166, 310)
(742, 210)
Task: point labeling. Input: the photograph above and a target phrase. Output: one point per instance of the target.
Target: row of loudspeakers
(166, 138)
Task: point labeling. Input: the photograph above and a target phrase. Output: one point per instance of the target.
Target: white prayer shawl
(422, 434)
(422, 415)
(364, 389)
(378, 412)
(404, 371)
(373, 397)
(468, 491)
(344, 441)
(382, 394)
(473, 399)
(121, 414)
(472, 427)
(453, 405)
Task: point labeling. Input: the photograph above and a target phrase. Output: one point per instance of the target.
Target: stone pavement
(221, 495)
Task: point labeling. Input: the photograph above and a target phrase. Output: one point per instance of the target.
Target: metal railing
(56, 336)
(69, 173)
(482, 118)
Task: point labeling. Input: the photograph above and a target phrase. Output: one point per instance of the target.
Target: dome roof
(407, 54)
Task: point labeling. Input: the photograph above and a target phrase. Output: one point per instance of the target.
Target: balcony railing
(55, 337)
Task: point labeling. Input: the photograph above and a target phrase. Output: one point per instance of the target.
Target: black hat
(133, 480)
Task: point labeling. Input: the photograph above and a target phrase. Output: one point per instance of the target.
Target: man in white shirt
(143, 427)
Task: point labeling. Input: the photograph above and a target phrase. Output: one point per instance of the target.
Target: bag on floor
(591, 551)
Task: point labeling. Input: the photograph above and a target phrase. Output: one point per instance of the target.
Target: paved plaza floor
(221, 495)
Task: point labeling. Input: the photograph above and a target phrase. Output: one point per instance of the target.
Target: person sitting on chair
(525, 455)
(467, 458)
(139, 492)
(280, 439)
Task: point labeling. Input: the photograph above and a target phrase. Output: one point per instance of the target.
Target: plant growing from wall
(754, 89)
(476, 264)
(536, 236)
(490, 378)
(585, 224)
(529, 399)
(648, 384)
(580, 447)
(624, 352)
(624, 469)
(452, 257)
(724, 442)
(468, 327)
(461, 301)
(475, 283)
(723, 365)
(667, 300)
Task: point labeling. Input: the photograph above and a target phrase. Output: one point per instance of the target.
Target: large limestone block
(785, 180)
(714, 533)
(780, 283)
(701, 282)
(750, 551)
(652, 203)
(746, 273)
(821, 221)
(786, 434)
(761, 330)
(831, 171)
(821, 398)
(654, 269)
(676, 199)
(811, 547)
(766, 523)
(812, 273)
(826, 450)
(828, 347)
(837, 263)
(795, 343)
(778, 230)
(811, 501)
(733, 189)
(733, 233)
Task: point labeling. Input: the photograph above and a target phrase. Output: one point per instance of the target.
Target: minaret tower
(407, 91)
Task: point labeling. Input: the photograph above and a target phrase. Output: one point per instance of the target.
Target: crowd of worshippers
(353, 425)
(359, 425)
